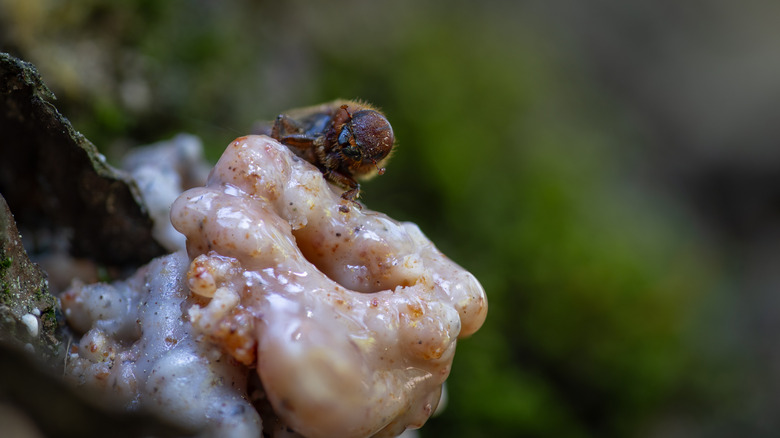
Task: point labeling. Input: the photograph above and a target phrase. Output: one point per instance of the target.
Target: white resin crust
(348, 318)
(140, 351)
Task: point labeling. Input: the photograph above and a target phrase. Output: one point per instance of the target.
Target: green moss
(6, 297)
(49, 317)
(5, 293)
(40, 294)
(5, 263)
(5, 290)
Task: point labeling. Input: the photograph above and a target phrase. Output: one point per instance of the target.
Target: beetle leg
(290, 133)
(285, 125)
(347, 182)
(299, 141)
(352, 195)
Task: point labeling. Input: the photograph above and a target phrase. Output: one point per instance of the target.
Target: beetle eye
(347, 148)
(344, 137)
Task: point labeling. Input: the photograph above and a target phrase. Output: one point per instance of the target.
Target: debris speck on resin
(328, 319)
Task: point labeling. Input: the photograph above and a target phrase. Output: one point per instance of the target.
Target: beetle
(346, 140)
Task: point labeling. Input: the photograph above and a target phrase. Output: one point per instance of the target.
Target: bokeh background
(609, 170)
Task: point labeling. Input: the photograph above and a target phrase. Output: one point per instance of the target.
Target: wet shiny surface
(353, 316)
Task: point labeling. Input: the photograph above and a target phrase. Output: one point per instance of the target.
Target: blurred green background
(609, 171)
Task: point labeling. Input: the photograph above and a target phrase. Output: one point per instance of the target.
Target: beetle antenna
(379, 170)
(344, 107)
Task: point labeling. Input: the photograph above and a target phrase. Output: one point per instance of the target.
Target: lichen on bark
(24, 291)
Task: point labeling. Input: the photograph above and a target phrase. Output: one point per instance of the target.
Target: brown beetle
(346, 140)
